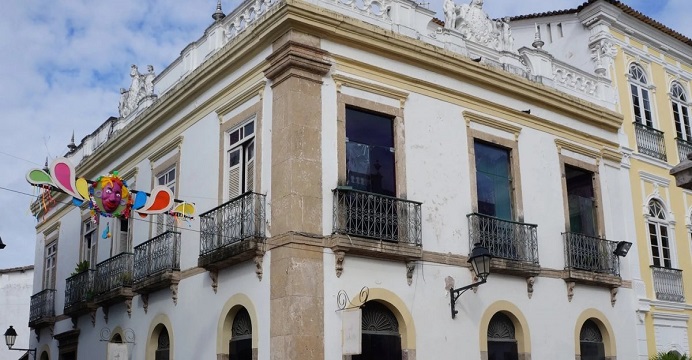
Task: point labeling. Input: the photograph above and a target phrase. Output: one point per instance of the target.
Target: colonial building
(15, 292)
(346, 157)
(650, 65)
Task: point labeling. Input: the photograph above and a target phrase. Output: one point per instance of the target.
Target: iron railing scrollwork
(590, 253)
(236, 220)
(114, 273)
(650, 141)
(668, 284)
(684, 148)
(157, 255)
(79, 288)
(504, 239)
(42, 305)
(376, 216)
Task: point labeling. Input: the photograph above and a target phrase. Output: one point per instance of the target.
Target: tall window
(493, 180)
(164, 222)
(240, 345)
(658, 235)
(502, 343)
(381, 339)
(581, 201)
(370, 152)
(681, 112)
(163, 345)
(640, 96)
(241, 160)
(591, 342)
(89, 242)
(49, 266)
(121, 240)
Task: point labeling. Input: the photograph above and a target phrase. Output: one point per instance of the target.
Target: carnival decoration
(109, 195)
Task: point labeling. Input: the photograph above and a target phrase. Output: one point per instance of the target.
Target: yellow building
(650, 69)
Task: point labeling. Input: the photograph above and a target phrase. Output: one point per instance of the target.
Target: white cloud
(63, 63)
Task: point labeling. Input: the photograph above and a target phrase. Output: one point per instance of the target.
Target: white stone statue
(451, 10)
(141, 87)
(149, 81)
(476, 26)
(506, 41)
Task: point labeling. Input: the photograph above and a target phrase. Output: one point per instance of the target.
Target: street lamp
(2, 245)
(11, 336)
(480, 263)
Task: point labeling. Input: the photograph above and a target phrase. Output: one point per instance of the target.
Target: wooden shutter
(235, 182)
(250, 167)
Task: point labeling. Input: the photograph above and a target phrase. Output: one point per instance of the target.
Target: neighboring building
(651, 67)
(15, 294)
(332, 147)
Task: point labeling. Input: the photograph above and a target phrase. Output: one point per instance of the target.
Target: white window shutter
(234, 182)
(250, 168)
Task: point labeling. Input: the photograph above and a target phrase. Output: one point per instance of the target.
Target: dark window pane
(592, 350)
(635, 103)
(250, 129)
(493, 181)
(380, 347)
(234, 157)
(235, 136)
(369, 155)
(580, 200)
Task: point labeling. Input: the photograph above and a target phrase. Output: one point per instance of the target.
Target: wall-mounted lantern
(480, 262)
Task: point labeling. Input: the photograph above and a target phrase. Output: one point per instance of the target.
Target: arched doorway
(240, 345)
(44, 356)
(163, 345)
(381, 339)
(591, 342)
(502, 341)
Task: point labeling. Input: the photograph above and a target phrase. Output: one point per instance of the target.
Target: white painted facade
(438, 175)
(15, 292)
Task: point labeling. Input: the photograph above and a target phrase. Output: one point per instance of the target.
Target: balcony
(79, 293)
(376, 225)
(42, 310)
(513, 245)
(684, 148)
(591, 260)
(668, 284)
(157, 263)
(113, 281)
(650, 141)
(231, 231)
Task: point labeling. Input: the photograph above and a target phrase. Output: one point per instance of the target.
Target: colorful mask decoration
(108, 195)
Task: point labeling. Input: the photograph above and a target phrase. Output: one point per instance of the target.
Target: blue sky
(63, 63)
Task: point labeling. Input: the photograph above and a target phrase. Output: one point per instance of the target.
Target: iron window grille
(240, 218)
(42, 305)
(590, 253)
(504, 239)
(114, 273)
(650, 141)
(160, 254)
(668, 284)
(79, 288)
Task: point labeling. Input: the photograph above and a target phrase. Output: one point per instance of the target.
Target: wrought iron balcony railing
(376, 216)
(589, 253)
(668, 284)
(157, 255)
(236, 220)
(79, 288)
(114, 273)
(684, 148)
(504, 239)
(42, 305)
(650, 141)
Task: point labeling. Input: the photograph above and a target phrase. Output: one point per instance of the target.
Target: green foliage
(671, 355)
(81, 267)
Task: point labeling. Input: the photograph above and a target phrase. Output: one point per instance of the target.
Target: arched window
(381, 337)
(502, 343)
(681, 113)
(44, 355)
(658, 235)
(641, 100)
(240, 345)
(163, 345)
(591, 342)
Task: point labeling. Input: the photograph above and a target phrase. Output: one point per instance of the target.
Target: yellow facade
(650, 179)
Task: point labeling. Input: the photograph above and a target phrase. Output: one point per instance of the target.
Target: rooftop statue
(476, 26)
(141, 87)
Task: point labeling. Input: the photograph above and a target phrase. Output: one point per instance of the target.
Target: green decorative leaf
(39, 177)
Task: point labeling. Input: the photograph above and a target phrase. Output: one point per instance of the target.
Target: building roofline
(17, 269)
(620, 5)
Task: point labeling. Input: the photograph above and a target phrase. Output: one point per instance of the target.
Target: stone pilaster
(297, 66)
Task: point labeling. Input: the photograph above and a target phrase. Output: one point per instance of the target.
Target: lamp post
(480, 263)
(11, 336)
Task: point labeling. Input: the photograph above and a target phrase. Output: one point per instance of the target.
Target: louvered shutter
(250, 167)
(235, 182)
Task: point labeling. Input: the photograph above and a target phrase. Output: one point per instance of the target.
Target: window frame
(596, 187)
(396, 114)
(514, 169)
(661, 223)
(162, 164)
(50, 277)
(682, 118)
(86, 253)
(638, 89)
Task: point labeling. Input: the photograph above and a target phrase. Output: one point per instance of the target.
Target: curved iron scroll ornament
(343, 302)
(129, 335)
